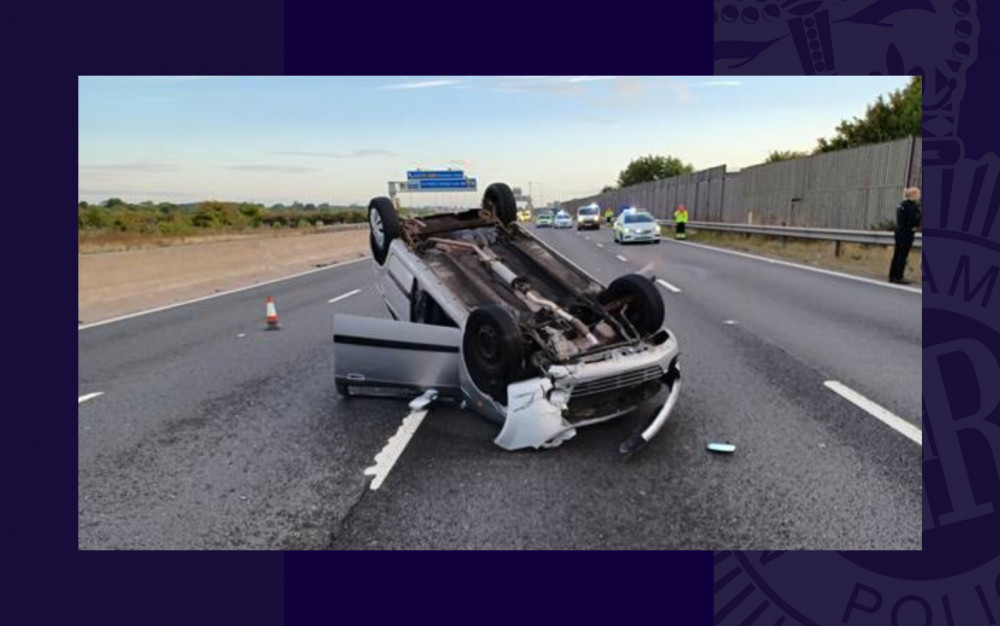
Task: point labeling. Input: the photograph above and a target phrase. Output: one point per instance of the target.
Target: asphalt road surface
(211, 432)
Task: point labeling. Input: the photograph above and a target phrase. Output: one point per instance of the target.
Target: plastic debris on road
(421, 402)
(725, 448)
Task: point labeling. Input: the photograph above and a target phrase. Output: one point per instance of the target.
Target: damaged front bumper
(390, 358)
(537, 408)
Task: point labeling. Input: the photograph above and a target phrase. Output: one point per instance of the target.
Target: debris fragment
(423, 400)
(725, 448)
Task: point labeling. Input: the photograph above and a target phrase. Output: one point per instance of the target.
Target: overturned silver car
(489, 317)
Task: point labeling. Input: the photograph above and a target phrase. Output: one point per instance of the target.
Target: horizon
(339, 140)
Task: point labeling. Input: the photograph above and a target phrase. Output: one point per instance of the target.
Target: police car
(636, 225)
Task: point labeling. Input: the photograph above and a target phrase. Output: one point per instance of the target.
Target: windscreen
(588, 210)
(638, 218)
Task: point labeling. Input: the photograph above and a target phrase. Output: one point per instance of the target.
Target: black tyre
(493, 350)
(499, 199)
(342, 388)
(644, 303)
(383, 223)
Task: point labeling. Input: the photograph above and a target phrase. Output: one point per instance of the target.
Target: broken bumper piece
(533, 420)
(643, 436)
(535, 416)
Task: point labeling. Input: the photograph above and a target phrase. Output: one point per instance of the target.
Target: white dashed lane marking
(880, 413)
(385, 459)
(89, 396)
(668, 286)
(344, 296)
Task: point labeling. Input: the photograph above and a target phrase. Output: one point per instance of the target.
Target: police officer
(609, 216)
(680, 222)
(907, 218)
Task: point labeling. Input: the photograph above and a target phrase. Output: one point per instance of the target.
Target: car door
(382, 357)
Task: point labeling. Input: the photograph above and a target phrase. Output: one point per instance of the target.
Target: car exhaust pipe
(566, 315)
(505, 274)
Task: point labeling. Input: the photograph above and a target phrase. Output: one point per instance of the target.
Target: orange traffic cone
(272, 314)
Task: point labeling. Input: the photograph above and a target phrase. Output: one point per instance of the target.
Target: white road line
(385, 459)
(216, 295)
(621, 258)
(820, 270)
(880, 413)
(345, 296)
(728, 322)
(90, 396)
(600, 245)
(668, 286)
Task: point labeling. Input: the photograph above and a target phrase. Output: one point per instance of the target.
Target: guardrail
(877, 237)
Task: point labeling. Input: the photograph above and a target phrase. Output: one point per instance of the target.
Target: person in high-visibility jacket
(680, 221)
(609, 216)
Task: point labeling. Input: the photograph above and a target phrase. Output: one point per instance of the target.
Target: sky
(340, 139)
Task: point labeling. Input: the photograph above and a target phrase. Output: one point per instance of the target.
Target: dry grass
(862, 259)
(92, 242)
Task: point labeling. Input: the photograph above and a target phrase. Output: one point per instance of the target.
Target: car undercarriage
(545, 348)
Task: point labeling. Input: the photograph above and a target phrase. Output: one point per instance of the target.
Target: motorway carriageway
(199, 429)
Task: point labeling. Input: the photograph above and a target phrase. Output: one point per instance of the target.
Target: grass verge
(854, 258)
(91, 242)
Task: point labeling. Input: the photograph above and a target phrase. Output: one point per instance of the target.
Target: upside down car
(489, 317)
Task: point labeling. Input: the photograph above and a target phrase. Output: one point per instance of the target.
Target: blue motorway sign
(433, 184)
(422, 175)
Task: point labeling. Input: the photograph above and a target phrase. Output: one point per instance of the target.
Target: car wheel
(499, 199)
(493, 350)
(342, 388)
(383, 223)
(644, 304)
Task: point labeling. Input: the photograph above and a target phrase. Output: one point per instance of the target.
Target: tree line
(898, 115)
(166, 218)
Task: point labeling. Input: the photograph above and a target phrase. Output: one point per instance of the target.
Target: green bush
(170, 219)
(93, 218)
